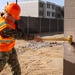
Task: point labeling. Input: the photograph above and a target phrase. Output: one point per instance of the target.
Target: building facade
(39, 8)
(69, 29)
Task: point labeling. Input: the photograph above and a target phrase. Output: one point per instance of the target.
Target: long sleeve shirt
(17, 34)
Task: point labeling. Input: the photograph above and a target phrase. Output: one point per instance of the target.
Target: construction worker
(8, 33)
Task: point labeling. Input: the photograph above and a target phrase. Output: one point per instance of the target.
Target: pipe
(69, 39)
(7, 3)
(16, 1)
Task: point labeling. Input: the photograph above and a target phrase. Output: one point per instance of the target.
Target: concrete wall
(29, 8)
(40, 25)
(69, 29)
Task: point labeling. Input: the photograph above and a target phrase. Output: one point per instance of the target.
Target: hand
(37, 38)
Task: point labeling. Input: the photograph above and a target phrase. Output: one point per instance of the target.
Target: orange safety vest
(6, 44)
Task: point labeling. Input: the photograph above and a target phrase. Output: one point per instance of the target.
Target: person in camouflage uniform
(10, 57)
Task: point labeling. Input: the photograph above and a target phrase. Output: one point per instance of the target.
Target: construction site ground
(44, 60)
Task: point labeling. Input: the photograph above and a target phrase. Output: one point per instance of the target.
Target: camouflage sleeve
(17, 34)
(21, 35)
(28, 37)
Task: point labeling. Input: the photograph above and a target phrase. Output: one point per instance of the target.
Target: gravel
(36, 45)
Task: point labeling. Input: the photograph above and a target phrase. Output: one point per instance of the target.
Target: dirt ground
(43, 61)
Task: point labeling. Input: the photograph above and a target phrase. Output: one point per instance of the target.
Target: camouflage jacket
(17, 34)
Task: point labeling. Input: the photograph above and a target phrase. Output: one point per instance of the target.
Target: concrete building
(38, 8)
(69, 29)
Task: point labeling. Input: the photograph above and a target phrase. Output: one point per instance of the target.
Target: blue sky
(58, 2)
(3, 3)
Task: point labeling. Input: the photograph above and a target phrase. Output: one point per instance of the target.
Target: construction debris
(37, 45)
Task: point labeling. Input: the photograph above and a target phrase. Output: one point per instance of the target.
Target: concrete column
(69, 29)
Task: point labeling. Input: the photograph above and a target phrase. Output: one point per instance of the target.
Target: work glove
(8, 32)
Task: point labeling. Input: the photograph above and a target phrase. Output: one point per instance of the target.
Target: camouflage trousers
(10, 58)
